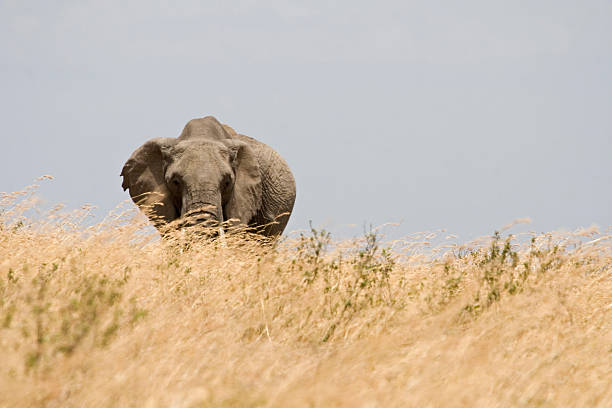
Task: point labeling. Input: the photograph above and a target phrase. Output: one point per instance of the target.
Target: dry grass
(108, 315)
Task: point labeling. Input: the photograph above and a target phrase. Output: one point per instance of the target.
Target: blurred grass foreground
(104, 314)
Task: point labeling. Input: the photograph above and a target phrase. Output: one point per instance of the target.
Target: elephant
(211, 176)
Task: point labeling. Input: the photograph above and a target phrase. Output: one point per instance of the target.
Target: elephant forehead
(200, 160)
(207, 127)
(199, 148)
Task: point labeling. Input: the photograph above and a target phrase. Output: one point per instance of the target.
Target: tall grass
(104, 314)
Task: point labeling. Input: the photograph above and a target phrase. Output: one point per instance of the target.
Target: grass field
(108, 315)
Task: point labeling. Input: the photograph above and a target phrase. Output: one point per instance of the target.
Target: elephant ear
(245, 200)
(143, 175)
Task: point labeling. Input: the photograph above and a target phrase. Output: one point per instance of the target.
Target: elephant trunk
(201, 207)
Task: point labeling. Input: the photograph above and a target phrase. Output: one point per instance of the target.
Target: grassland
(106, 314)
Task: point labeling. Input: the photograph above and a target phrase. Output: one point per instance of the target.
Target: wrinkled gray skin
(208, 175)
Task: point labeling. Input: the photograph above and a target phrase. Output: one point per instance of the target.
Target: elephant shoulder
(254, 143)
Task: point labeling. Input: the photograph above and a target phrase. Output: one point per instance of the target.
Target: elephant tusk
(222, 237)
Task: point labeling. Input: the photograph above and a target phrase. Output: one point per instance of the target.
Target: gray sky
(436, 114)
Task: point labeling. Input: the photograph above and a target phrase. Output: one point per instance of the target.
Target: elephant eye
(175, 182)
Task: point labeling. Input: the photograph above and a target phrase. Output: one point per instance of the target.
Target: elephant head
(204, 177)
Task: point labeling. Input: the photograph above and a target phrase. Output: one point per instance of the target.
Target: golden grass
(108, 315)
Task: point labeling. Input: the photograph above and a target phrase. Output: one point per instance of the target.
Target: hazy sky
(436, 114)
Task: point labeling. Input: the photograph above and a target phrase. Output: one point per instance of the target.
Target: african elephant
(208, 175)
